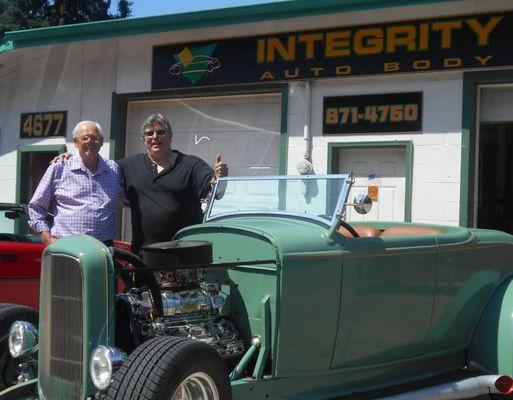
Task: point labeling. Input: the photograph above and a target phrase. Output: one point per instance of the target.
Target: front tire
(169, 368)
(8, 314)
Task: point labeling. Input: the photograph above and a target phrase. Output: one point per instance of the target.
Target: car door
(20, 257)
(20, 264)
(387, 297)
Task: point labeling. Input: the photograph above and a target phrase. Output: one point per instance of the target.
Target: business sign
(394, 112)
(472, 41)
(43, 124)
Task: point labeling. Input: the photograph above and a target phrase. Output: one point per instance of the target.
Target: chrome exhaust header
(463, 389)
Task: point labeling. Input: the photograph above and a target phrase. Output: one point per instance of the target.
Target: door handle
(9, 257)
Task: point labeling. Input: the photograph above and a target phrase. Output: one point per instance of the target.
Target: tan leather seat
(410, 230)
(363, 231)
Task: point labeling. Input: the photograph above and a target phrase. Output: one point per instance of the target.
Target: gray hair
(77, 128)
(156, 118)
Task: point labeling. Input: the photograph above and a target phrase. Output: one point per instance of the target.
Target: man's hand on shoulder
(61, 157)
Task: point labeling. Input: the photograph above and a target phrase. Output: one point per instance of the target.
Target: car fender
(25, 390)
(491, 347)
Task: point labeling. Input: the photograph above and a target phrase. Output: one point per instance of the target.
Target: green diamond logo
(194, 62)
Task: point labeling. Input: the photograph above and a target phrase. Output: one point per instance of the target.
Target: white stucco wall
(436, 151)
(77, 77)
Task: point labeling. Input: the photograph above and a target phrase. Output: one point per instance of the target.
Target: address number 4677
(43, 124)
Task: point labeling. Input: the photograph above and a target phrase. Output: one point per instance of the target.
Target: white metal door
(383, 171)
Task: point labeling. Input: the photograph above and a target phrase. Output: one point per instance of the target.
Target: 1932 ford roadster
(274, 296)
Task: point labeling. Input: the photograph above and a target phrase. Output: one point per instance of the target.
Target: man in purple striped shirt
(81, 192)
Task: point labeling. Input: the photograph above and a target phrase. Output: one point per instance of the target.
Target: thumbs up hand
(221, 167)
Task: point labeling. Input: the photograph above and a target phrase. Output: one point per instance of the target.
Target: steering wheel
(349, 228)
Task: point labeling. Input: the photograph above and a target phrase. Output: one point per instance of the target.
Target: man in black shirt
(163, 186)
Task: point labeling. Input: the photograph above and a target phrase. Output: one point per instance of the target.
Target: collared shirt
(80, 201)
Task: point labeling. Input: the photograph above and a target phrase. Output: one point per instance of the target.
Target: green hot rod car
(274, 296)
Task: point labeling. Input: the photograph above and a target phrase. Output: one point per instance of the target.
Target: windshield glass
(316, 196)
(6, 224)
(14, 224)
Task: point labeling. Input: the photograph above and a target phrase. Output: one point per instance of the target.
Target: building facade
(415, 97)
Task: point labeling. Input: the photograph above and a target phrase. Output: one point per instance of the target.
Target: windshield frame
(339, 209)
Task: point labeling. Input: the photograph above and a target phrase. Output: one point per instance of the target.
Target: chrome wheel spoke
(198, 386)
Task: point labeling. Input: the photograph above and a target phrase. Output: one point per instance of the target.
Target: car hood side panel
(307, 283)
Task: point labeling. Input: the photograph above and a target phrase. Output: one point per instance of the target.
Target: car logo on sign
(194, 62)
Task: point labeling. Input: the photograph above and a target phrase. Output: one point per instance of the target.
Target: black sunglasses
(159, 132)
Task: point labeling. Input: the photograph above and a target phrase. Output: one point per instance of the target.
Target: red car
(20, 257)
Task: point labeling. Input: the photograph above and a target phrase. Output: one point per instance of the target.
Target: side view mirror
(362, 203)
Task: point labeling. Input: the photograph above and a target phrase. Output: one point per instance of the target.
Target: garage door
(382, 170)
(244, 129)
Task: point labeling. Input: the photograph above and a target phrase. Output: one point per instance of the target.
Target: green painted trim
(284, 135)
(21, 179)
(202, 92)
(117, 142)
(35, 148)
(333, 160)
(471, 82)
(113, 127)
(409, 172)
(118, 126)
(195, 20)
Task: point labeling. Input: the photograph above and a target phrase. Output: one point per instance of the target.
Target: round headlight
(23, 339)
(104, 362)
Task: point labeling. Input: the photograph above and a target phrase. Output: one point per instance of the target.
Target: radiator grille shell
(61, 328)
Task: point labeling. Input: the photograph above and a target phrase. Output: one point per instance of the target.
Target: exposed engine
(191, 309)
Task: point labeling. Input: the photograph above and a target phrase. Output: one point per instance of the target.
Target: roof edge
(191, 20)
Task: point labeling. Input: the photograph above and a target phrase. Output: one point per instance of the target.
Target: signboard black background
(368, 105)
(238, 57)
